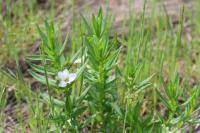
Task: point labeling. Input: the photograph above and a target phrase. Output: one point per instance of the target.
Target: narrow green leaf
(42, 78)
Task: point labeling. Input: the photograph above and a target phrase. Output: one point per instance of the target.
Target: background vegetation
(139, 74)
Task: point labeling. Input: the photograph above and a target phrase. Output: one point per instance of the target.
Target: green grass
(144, 81)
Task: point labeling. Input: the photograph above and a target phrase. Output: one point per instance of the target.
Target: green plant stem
(126, 111)
(102, 94)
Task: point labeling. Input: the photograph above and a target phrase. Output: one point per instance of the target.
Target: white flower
(71, 78)
(63, 75)
(62, 84)
(77, 61)
(65, 78)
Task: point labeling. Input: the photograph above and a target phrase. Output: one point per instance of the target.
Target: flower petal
(72, 77)
(62, 84)
(77, 61)
(63, 75)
